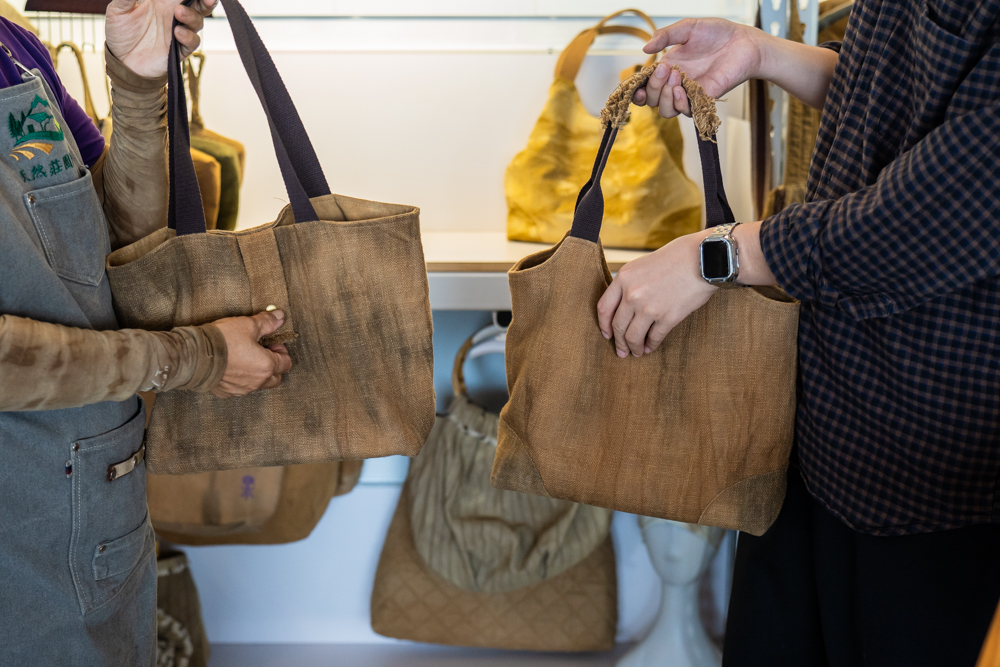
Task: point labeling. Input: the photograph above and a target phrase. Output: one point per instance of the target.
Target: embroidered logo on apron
(36, 133)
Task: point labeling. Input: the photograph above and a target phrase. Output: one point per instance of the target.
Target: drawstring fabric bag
(651, 200)
(699, 431)
(465, 564)
(349, 275)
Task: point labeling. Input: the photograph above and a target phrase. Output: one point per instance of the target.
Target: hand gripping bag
(700, 431)
(349, 275)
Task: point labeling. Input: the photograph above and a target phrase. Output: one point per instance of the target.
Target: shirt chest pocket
(70, 223)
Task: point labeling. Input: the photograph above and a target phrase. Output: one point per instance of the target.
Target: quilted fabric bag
(651, 200)
(349, 275)
(468, 565)
(700, 431)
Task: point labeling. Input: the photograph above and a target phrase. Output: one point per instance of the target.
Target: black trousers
(811, 592)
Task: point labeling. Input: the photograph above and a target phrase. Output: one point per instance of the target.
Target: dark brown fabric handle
(589, 214)
(300, 167)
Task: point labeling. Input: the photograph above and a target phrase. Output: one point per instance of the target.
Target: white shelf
(468, 270)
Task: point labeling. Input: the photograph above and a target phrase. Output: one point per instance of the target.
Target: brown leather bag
(699, 431)
(349, 275)
(468, 565)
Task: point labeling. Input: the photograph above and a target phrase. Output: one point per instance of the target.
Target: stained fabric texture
(701, 429)
(483, 539)
(349, 275)
(894, 255)
(574, 611)
(650, 199)
(306, 491)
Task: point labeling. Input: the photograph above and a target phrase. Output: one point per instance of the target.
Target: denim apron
(77, 570)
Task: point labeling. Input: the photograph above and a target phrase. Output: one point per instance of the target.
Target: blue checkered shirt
(896, 257)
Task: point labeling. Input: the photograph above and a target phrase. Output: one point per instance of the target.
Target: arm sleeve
(131, 176)
(928, 226)
(49, 366)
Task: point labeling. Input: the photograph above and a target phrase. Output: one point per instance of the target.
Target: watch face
(715, 263)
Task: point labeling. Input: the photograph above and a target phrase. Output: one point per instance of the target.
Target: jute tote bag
(349, 275)
(700, 431)
(651, 199)
(306, 491)
(181, 639)
(469, 565)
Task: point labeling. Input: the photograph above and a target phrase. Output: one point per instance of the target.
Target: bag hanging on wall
(651, 200)
(349, 275)
(699, 431)
(230, 154)
(468, 565)
(306, 491)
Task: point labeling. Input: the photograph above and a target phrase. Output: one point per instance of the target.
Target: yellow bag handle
(88, 99)
(572, 56)
(194, 84)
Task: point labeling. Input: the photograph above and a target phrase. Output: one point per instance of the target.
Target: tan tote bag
(306, 491)
(469, 565)
(699, 431)
(349, 275)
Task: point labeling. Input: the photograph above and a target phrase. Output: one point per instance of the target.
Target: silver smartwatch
(720, 255)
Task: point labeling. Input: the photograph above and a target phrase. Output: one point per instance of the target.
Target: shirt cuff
(125, 79)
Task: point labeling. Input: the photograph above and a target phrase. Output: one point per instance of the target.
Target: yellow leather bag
(650, 200)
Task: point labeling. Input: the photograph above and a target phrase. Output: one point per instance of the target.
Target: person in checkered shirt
(887, 549)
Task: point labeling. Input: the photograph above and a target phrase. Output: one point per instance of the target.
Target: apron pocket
(70, 222)
(111, 530)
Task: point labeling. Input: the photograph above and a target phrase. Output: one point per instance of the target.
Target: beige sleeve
(131, 177)
(48, 366)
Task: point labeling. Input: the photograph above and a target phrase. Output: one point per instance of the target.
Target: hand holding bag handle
(300, 168)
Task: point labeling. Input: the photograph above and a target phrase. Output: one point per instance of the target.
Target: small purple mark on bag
(247, 487)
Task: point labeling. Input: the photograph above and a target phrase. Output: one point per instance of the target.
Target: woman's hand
(653, 294)
(252, 366)
(717, 53)
(139, 32)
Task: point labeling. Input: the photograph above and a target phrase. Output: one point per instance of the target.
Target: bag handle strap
(300, 168)
(88, 98)
(570, 60)
(589, 214)
(458, 371)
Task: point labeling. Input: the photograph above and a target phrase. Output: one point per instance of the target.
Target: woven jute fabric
(358, 328)
(574, 611)
(306, 491)
(699, 431)
(651, 199)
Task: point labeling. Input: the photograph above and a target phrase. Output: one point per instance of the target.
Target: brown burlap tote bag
(306, 491)
(469, 565)
(349, 274)
(700, 431)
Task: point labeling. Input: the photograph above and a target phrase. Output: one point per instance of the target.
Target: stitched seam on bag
(524, 448)
(734, 484)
